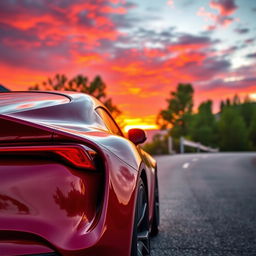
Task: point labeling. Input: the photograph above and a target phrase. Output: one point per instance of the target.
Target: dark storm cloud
(126, 22)
(220, 83)
(142, 37)
(187, 3)
(230, 50)
(210, 68)
(250, 79)
(17, 8)
(252, 55)
(14, 34)
(166, 35)
(249, 40)
(129, 5)
(37, 58)
(189, 39)
(166, 38)
(238, 78)
(242, 30)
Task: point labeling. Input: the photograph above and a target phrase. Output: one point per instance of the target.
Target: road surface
(207, 205)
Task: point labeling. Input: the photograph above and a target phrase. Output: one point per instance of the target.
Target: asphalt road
(207, 205)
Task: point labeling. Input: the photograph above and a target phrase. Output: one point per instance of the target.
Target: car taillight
(77, 155)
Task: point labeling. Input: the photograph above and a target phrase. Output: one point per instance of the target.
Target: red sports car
(70, 182)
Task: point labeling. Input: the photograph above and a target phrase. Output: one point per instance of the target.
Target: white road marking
(186, 165)
(194, 159)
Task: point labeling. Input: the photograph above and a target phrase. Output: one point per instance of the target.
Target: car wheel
(156, 218)
(141, 239)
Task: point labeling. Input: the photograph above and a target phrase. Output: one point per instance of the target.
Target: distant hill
(3, 89)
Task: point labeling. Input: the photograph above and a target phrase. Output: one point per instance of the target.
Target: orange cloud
(26, 21)
(140, 68)
(109, 9)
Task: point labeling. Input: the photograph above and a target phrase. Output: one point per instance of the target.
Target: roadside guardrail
(184, 142)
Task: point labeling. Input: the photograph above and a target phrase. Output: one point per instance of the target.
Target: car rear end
(51, 193)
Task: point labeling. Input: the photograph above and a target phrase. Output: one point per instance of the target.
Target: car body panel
(59, 204)
(21, 246)
(65, 224)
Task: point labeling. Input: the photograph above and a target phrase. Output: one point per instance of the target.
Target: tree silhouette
(252, 131)
(179, 110)
(79, 83)
(203, 125)
(232, 131)
(236, 100)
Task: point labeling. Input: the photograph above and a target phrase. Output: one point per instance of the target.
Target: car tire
(141, 238)
(156, 214)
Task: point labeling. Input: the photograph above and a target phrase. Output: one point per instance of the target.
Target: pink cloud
(170, 3)
(85, 37)
(225, 8)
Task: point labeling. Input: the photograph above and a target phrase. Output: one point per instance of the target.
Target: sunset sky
(141, 48)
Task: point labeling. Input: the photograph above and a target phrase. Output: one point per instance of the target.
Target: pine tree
(233, 132)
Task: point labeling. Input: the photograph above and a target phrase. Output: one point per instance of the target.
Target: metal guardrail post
(198, 147)
(170, 147)
(181, 145)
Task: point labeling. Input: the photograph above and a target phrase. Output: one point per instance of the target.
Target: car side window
(109, 121)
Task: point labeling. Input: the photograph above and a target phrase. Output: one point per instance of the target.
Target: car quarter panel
(86, 230)
(47, 199)
(116, 236)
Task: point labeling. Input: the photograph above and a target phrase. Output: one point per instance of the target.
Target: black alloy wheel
(141, 239)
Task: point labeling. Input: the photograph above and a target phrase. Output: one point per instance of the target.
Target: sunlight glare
(141, 126)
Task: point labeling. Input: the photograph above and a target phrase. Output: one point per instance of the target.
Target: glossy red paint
(48, 205)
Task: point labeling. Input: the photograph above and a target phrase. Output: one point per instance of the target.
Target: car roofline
(68, 94)
(49, 92)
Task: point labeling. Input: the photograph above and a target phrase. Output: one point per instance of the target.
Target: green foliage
(159, 145)
(252, 132)
(179, 110)
(247, 111)
(79, 83)
(203, 126)
(232, 131)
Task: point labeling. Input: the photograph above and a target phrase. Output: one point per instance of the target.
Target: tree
(228, 102)
(252, 132)
(203, 125)
(247, 110)
(177, 116)
(79, 83)
(179, 110)
(222, 105)
(236, 100)
(232, 131)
